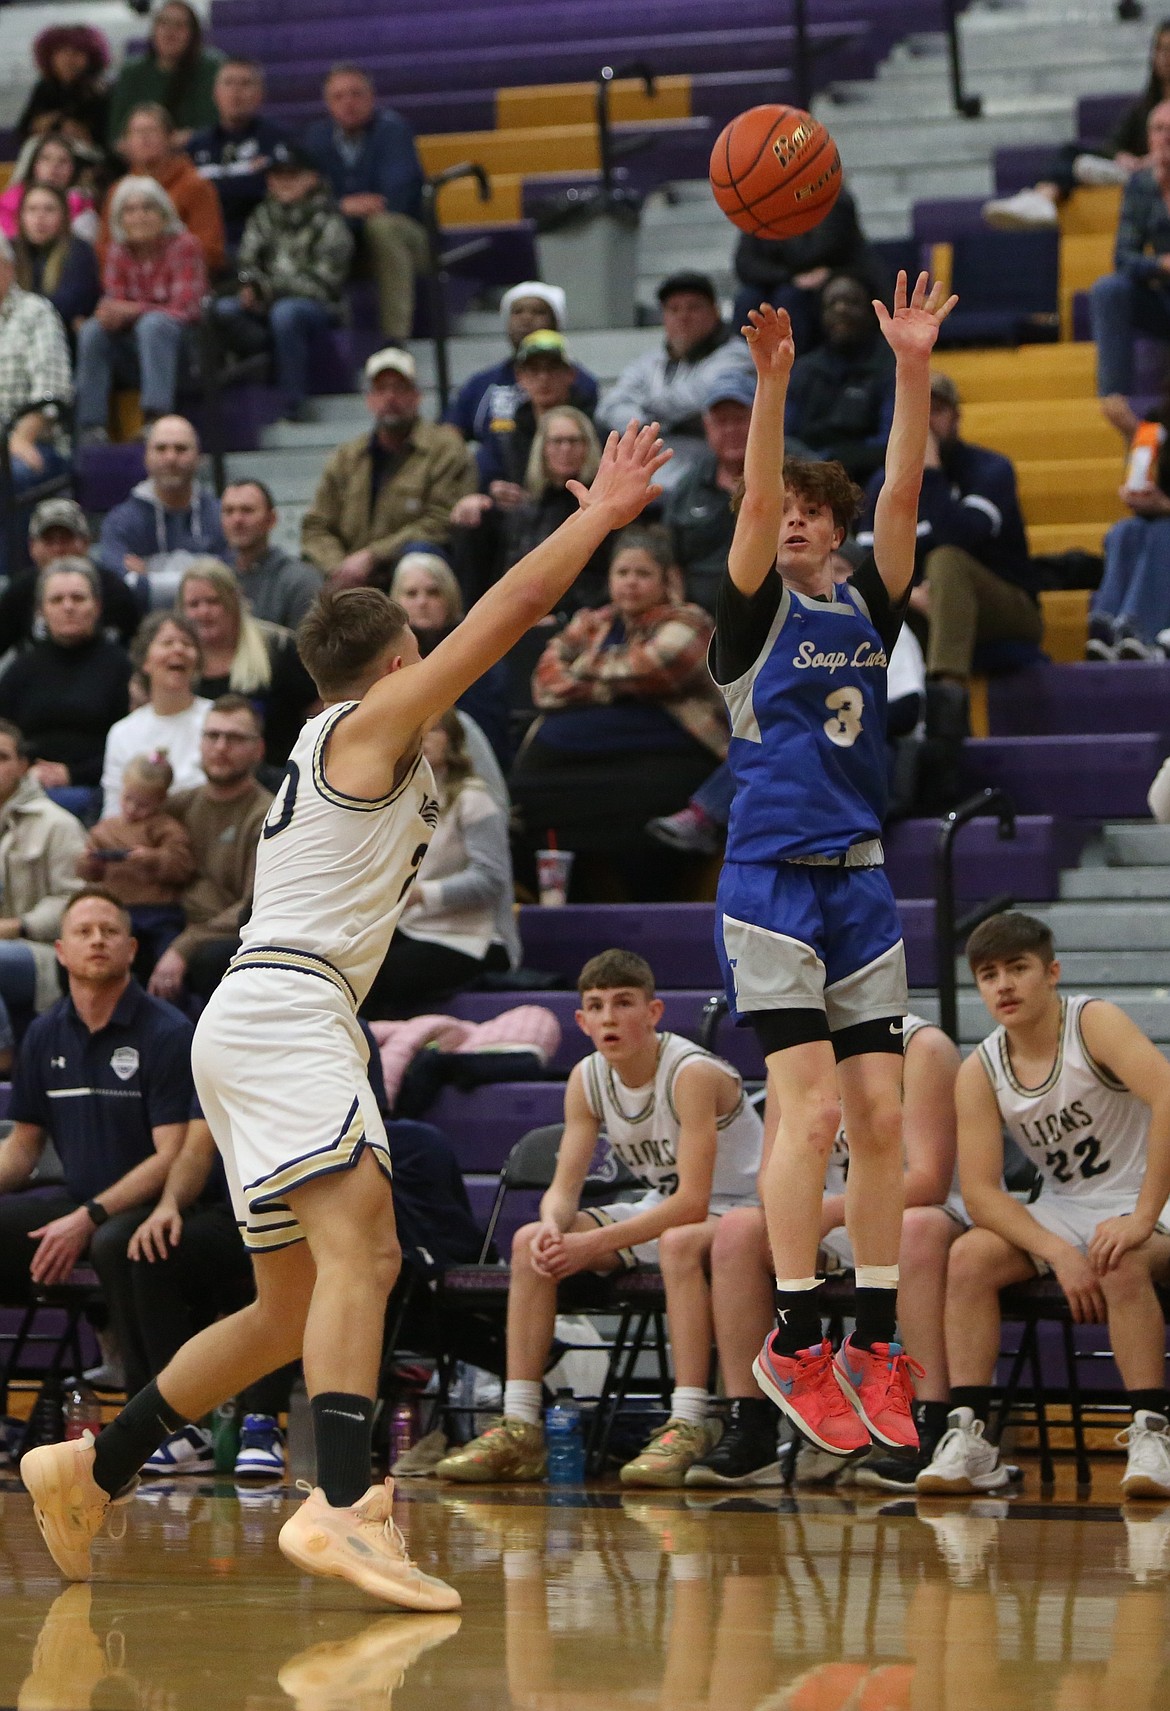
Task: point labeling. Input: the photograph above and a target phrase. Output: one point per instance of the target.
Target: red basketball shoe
(877, 1382)
(807, 1388)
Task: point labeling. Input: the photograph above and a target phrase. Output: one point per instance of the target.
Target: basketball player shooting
(280, 1063)
(808, 932)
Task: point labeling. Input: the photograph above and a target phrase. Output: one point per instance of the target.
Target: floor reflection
(698, 1603)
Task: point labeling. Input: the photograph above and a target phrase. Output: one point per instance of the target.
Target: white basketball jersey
(1083, 1130)
(838, 1167)
(643, 1127)
(333, 871)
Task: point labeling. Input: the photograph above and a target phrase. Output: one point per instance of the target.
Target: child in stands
(143, 855)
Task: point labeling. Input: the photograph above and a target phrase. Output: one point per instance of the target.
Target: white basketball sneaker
(964, 1462)
(1147, 1465)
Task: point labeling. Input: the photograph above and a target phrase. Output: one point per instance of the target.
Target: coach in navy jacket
(978, 582)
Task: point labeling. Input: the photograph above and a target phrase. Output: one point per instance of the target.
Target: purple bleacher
(484, 1126)
(105, 474)
(941, 220)
(1098, 116)
(1019, 168)
(1028, 866)
(1078, 700)
(1100, 777)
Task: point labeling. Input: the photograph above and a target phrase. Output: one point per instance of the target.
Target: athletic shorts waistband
(868, 853)
(286, 958)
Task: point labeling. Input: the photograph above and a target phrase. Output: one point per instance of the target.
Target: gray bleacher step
(606, 353)
(1114, 883)
(1088, 970)
(1151, 1012)
(1137, 845)
(343, 407)
(1108, 926)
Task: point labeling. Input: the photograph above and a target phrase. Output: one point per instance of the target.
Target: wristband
(97, 1212)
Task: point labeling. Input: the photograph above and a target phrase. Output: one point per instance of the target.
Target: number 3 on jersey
(843, 727)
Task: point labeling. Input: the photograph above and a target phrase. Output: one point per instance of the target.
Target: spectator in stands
(841, 396)
(168, 518)
(58, 529)
(234, 153)
(370, 159)
(531, 307)
(1129, 617)
(979, 584)
(384, 489)
(1135, 297)
(142, 855)
(105, 1076)
(34, 367)
(39, 847)
(668, 385)
(1125, 152)
(51, 260)
(630, 716)
(149, 147)
(153, 285)
(449, 933)
(53, 162)
(67, 690)
(69, 97)
(176, 72)
(791, 273)
(276, 586)
(293, 264)
(546, 380)
(166, 651)
(488, 538)
(698, 511)
(426, 588)
(223, 817)
(245, 655)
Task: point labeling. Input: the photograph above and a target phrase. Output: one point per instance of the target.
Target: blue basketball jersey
(808, 744)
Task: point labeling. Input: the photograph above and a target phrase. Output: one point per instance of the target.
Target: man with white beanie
(530, 307)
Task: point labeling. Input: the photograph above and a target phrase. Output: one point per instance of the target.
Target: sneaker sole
(705, 1478)
(878, 1482)
(178, 1470)
(937, 1485)
(670, 1479)
(327, 1566)
(773, 1391)
(875, 1431)
(477, 1476)
(1143, 1485)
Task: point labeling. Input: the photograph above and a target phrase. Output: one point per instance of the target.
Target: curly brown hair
(825, 483)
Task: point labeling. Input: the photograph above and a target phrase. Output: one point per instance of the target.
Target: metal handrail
(946, 930)
(10, 507)
(967, 106)
(607, 153)
(436, 277)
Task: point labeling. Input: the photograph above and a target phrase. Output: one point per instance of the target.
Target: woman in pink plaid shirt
(153, 283)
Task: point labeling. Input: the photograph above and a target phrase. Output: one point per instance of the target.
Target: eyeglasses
(565, 440)
(232, 737)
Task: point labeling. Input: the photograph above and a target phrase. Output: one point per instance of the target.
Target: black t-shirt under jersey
(742, 621)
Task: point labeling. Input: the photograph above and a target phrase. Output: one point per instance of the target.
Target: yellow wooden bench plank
(1083, 259)
(459, 203)
(1031, 372)
(1043, 427)
(1075, 490)
(1066, 623)
(553, 148)
(575, 103)
(1091, 210)
(1067, 537)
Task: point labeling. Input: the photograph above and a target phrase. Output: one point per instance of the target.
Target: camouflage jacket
(300, 250)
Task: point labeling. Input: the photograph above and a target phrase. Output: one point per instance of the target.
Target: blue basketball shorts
(793, 937)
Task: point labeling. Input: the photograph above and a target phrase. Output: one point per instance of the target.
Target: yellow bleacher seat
(1083, 259)
(575, 103)
(1070, 490)
(1043, 428)
(1067, 537)
(1066, 623)
(1091, 210)
(1031, 372)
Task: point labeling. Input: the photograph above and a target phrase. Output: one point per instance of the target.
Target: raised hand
(624, 484)
(769, 339)
(912, 329)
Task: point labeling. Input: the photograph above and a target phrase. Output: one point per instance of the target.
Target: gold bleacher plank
(574, 103)
(1067, 537)
(1072, 490)
(1031, 372)
(556, 148)
(1091, 211)
(1083, 259)
(1066, 623)
(459, 203)
(1048, 427)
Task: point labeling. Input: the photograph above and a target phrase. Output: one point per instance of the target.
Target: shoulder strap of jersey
(591, 1085)
(691, 1054)
(1074, 1011)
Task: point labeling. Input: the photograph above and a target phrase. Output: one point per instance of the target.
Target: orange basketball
(775, 171)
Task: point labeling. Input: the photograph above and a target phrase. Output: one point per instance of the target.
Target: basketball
(775, 171)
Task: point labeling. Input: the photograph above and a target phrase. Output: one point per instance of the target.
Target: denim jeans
(293, 323)
(1136, 584)
(1121, 307)
(149, 352)
(24, 477)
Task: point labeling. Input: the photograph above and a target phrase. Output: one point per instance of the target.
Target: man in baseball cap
(59, 528)
(397, 484)
(491, 394)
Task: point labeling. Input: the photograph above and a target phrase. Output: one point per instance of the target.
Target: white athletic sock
(688, 1402)
(876, 1276)
(793, 1285)
(522, 1400)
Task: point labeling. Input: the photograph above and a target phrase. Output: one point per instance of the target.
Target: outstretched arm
(383, 728)
(910, 331)
(757, 526)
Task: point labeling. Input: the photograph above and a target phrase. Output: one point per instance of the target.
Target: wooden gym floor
(601, 1600)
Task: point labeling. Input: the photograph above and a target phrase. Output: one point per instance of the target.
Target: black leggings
(417, 975)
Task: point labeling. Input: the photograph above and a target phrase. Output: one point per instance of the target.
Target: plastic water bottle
(225, 1435)
(402, 1429)
(565, 1440)
(302, 1444)
(82, 1411)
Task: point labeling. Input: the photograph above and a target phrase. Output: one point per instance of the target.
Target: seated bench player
(677, 1118)
(741, 1282)
(1086, 1096)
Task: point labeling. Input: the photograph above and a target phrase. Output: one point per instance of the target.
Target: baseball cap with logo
(58, 513)
(391, 358)
(544, 343)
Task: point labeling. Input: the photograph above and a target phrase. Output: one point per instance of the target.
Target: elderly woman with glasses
(153, 282)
